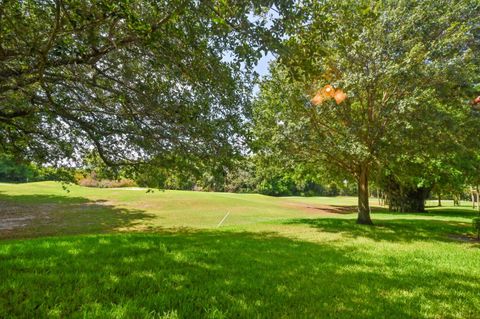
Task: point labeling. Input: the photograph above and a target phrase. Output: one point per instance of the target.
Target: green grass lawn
(106, 253)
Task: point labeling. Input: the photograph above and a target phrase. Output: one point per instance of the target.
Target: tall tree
(360, 83)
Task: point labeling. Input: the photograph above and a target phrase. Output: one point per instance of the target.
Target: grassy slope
(270, 259)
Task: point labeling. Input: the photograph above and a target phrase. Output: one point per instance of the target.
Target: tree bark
(473, 197)
(363, 204)
(439, 199)
(456, 200)
(478, 198)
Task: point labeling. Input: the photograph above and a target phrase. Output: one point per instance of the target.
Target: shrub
(89, 181)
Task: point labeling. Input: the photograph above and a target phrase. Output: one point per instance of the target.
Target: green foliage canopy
(407, 68)
(139, 80)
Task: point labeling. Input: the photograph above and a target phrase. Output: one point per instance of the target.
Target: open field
(116, 253)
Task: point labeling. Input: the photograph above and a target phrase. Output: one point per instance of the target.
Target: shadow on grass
(353, 209)
(217, 275)
(451, 212)
(433, 211)
(335, 209)
(24, 216)
(393, 230)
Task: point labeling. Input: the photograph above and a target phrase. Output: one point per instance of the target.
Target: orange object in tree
(339, 96)
(317, 99)
(476, 104)
(328, 92)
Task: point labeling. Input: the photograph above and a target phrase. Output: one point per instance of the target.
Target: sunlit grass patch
(205, 274)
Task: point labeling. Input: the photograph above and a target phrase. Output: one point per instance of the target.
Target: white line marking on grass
(224, 217)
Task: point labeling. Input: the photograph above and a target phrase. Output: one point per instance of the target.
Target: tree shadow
(353, 209)
(432, 211)
(392, 230)
(335, 209)
(217, 275)
(23, 216)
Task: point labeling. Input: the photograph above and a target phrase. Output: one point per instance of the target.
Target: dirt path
(324, 210)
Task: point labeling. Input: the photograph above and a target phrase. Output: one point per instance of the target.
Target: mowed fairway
(117, 253)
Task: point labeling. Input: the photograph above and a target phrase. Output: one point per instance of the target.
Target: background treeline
(15, 171)
(247, 175)
(251, 174)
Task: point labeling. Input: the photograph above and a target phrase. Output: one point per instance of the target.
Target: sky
(262, 66)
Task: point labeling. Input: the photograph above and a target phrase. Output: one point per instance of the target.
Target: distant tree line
(252, 175)
(244, 177)
(14, 171)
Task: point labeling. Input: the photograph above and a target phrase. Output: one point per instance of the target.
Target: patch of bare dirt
(14, 222)
(323, 209)
(14, 216)
(464, 238)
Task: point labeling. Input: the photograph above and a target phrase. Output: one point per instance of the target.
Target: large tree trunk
(363, 205)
